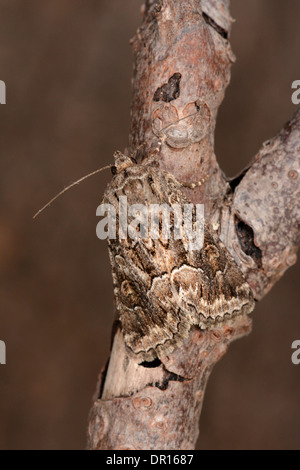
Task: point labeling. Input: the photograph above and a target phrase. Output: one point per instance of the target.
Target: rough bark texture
(182, 65)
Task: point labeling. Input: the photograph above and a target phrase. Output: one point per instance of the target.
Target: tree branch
(182, 65)
(261, 227)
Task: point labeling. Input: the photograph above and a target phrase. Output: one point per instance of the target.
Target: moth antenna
(69, 187)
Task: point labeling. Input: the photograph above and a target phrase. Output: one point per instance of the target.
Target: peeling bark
(182, 65)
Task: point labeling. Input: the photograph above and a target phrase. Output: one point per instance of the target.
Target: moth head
(121, 163)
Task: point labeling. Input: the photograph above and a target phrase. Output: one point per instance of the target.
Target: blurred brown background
(67, 67)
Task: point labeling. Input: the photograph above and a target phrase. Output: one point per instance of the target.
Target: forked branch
(182, 64)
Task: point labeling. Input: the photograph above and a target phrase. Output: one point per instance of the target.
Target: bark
(182, 65)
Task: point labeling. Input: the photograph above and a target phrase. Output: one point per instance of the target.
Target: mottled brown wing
(151, 318)
(210, 286)
(161, 288)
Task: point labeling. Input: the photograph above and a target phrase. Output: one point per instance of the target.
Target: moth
(161, 287)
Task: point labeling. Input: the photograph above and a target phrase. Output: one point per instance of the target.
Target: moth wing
(205, 282)
(162, 287)
(210, 286)
(151, 319)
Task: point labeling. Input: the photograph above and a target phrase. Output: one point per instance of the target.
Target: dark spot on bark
(151, 364)
(236, 181)
(175, 378)
(215, 26)
(169, 91)
(164, 384)
(102, 381)
(246, 238)
(114, 170)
